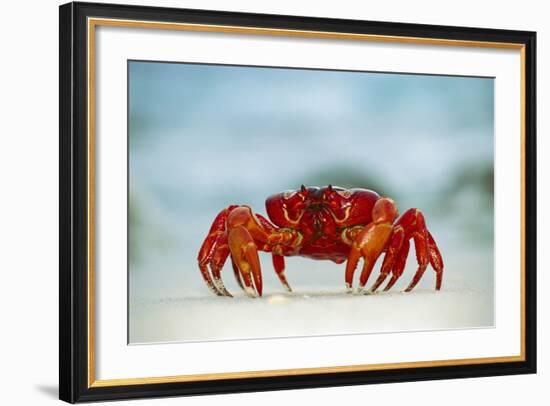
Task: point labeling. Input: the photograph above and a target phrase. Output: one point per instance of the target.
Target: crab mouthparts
(316, 206)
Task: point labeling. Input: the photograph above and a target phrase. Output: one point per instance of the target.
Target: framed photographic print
(255, 202)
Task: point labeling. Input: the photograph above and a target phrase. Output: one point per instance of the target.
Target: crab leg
(209, 247)
(279, 265)
(425, 246)
(435, 261)
(421, 248)
(427, 253)
(394, 246)
(216, 264)
(207, 278)
(399, 265)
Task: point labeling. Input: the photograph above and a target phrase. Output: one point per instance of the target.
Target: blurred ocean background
(202, 137)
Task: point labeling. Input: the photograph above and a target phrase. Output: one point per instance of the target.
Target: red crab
(320, 223)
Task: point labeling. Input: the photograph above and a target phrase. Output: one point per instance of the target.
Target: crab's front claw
(368, 245)
(370, 242)
(245, 259)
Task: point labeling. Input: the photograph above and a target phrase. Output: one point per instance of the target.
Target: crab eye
(303, 192)
(328, 192)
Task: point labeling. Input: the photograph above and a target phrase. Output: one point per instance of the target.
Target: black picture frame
(74, 385)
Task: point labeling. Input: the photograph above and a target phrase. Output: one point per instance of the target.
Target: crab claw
(245, 256)
(237, 274)
(370, 242)
(369, 245)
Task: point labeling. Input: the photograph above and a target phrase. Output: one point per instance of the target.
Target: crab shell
(297, 209)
